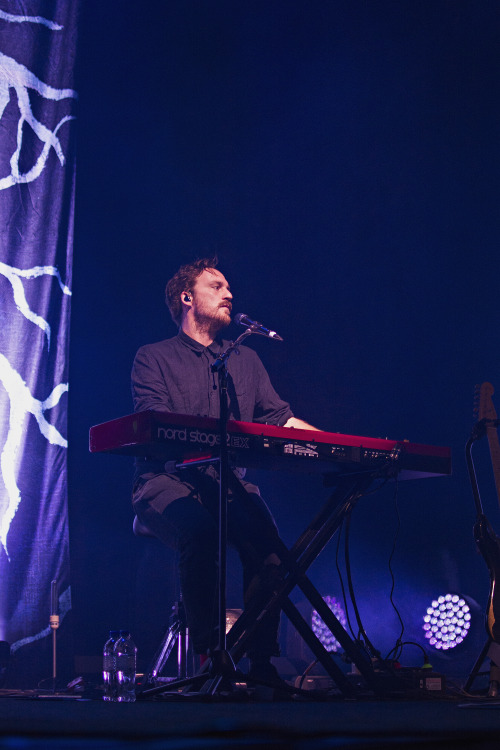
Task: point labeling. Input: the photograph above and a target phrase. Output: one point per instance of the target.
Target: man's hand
(299, 424)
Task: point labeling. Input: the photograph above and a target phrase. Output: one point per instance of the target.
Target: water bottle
(125, 653)
(108, 666)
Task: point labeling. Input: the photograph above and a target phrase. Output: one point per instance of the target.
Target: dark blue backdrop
(342, 160)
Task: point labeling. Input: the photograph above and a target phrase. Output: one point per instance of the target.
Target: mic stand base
(222, 664)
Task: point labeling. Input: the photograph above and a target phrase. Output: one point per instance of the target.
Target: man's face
(212, 300)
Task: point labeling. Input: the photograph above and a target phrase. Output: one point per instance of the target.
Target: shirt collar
(214, 348)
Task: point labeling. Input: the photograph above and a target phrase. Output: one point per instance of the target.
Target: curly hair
(184, 281)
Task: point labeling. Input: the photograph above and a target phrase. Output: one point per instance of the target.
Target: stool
(176, 633)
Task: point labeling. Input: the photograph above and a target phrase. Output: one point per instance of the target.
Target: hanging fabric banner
(37, 176)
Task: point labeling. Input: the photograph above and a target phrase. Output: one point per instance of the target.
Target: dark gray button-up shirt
(174, 375)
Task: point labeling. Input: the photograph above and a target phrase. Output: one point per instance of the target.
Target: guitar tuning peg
(475, 406)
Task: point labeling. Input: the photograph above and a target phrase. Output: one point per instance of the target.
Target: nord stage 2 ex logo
(199, 437)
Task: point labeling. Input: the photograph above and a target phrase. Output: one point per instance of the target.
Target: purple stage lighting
(321, 631)
(447, 622)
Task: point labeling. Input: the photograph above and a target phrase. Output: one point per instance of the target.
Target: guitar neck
(494, 445)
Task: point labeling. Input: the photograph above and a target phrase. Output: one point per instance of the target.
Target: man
(181, 507)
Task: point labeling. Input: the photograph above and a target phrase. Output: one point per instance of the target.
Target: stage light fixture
(321, 631)
(447, 622)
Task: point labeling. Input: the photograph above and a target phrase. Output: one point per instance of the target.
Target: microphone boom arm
(233, 346)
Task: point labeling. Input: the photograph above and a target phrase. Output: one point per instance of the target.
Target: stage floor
(28, 721)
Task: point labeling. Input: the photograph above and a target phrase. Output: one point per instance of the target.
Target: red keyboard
(183, 438)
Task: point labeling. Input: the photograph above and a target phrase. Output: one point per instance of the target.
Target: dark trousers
(182, 511)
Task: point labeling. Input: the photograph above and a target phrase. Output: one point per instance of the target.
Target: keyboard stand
(297, 561)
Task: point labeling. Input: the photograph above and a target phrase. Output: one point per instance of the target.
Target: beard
(212, 321)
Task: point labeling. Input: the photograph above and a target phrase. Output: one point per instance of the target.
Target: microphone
(255, 326)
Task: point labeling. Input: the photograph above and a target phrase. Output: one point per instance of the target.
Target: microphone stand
(222, 665)
(488, 544)
(54, 624)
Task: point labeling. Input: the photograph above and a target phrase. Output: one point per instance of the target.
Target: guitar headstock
(483, 403)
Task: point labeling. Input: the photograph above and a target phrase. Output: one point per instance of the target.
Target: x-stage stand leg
(296, 561)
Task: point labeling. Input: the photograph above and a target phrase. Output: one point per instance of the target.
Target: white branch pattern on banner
(22, 403)
(14, 275)
(17, 76)
(36, 243)
(30, 19)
